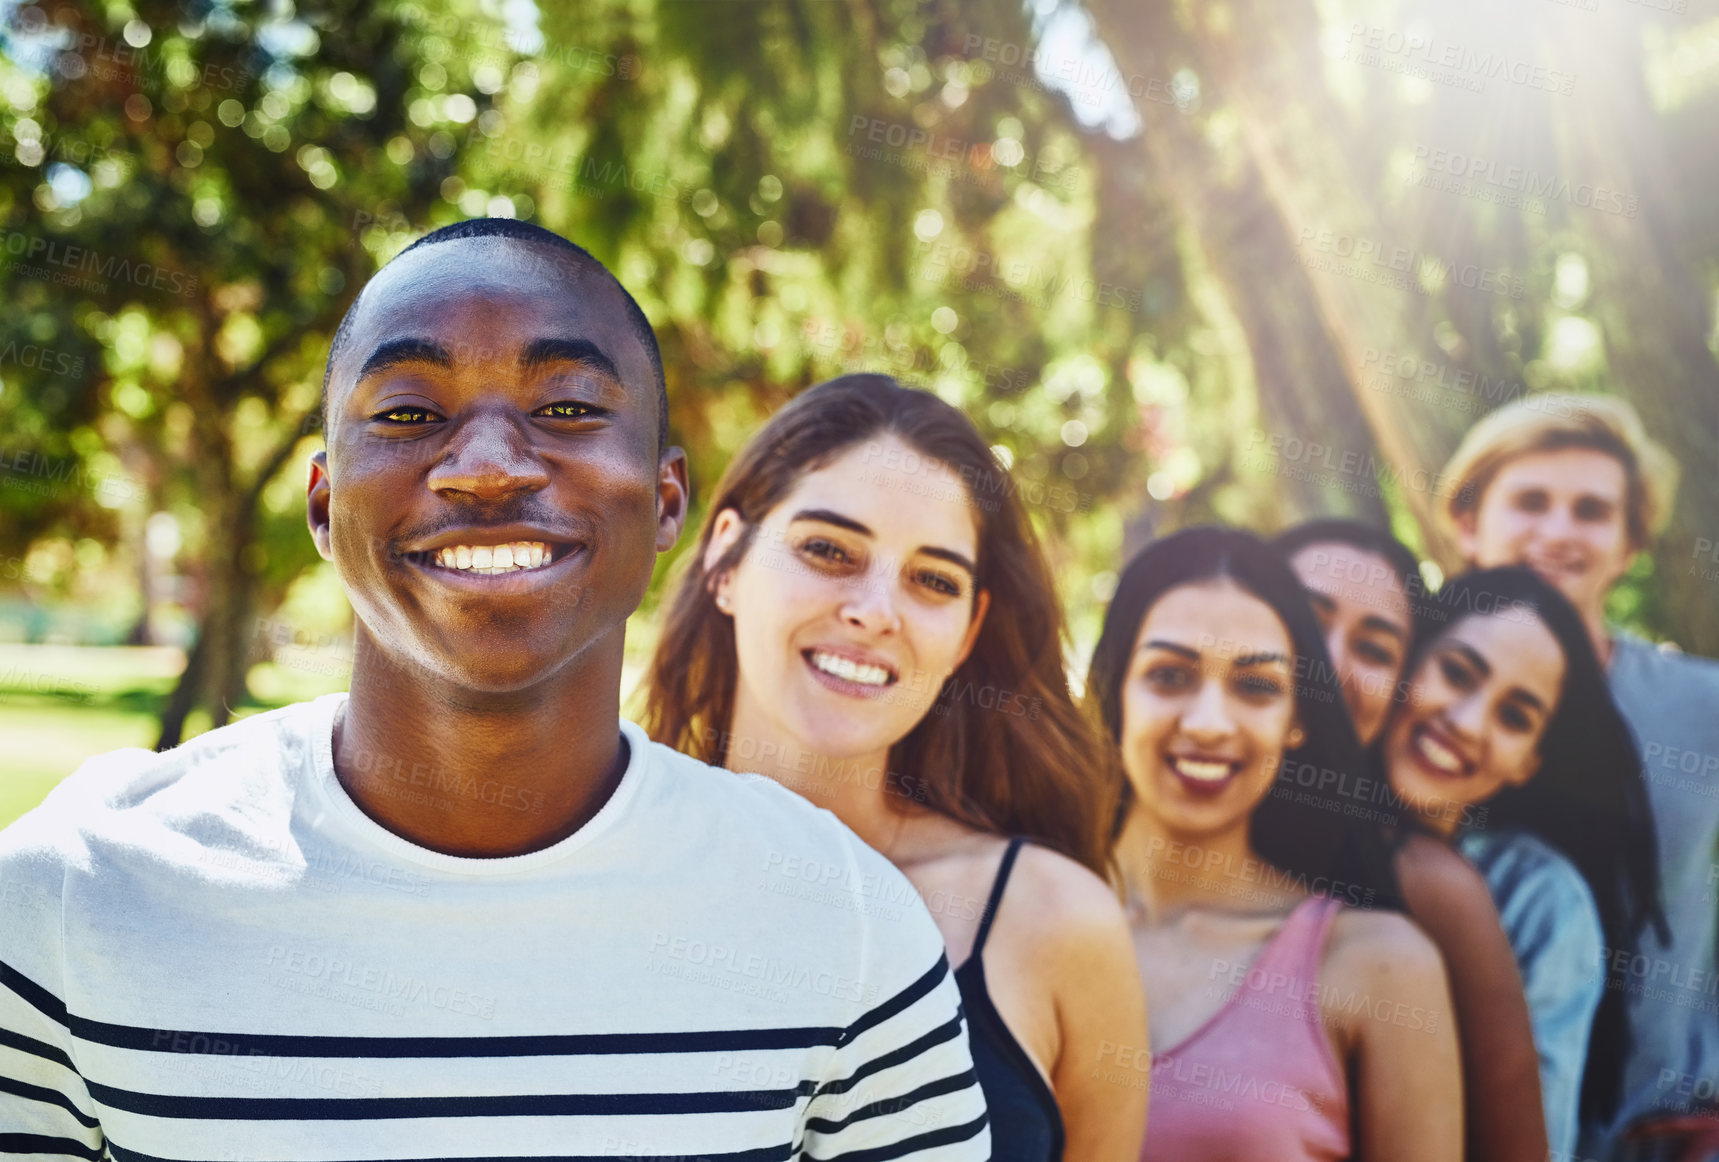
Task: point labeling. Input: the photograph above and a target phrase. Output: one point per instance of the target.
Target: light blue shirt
(1554, 929)
(1671, 702)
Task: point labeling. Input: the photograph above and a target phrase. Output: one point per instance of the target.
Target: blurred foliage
(792, 190)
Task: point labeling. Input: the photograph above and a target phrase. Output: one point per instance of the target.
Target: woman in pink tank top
(1295, 1013)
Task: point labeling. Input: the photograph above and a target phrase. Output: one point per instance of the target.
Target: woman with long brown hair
(868, 619)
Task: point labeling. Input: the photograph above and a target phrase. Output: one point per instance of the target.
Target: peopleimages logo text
(82, 260)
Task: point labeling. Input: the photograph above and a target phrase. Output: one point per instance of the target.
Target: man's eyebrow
(1384, 625)
(397, 351)
(541, 351)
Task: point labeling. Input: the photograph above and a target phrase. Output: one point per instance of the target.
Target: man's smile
(506, 559)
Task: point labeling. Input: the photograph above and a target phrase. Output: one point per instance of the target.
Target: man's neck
(477, 774)
(1595, 621)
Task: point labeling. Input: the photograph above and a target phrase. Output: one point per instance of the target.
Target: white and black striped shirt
(213, 954)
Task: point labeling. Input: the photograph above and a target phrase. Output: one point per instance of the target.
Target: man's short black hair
(524, 232)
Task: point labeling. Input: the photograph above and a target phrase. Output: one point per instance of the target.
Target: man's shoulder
(1665, 667)
(757, 810)
(774, 842)
(133, 795)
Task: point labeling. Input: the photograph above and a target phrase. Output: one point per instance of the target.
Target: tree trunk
(1654, 311)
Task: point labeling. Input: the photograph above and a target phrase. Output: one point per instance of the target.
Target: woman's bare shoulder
(1376, 945)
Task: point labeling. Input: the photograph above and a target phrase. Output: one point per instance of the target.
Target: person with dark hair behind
(1510, 746)
(870, 621)
(1259, 901)
(1365, 588)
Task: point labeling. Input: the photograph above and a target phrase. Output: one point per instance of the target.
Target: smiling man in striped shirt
(460, 912)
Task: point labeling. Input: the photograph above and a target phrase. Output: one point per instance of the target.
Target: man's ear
(727, 529)
(981, 606)
(316, 506)
(674, 494)
(1468, 534)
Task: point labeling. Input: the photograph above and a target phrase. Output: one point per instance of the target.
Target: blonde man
(1572, 487)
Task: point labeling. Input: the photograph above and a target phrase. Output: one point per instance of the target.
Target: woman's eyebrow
(952, 557)
(1261, 659)
(829, 517)
(1384, 625)
(1172, 647)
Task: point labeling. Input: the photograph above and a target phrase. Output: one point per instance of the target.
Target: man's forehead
(450, 277)
(468, 285)
(1588, 471)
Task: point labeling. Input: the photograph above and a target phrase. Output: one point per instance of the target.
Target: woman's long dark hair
(1316, 821)
(1005, 748)
(1588, 798)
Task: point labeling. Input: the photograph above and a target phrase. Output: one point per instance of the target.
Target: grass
(60, 705)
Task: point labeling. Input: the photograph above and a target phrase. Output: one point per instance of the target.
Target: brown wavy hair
(1041, 768)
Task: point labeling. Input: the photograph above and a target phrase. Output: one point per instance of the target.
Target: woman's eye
(567, 411)
(406, 415)
(1532, 501)
(1514, 718)
(1455, 673)
(1259, 685)
(1375, 653)
(940, 582)
(825, 551)
(1168, 678)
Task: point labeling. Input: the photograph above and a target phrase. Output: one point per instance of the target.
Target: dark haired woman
(1364, 585)
(1510, 747)
(1240, 880)
(870, 621)
(1366, 591)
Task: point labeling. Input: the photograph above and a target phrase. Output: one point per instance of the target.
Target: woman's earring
(1295, 738)
(723, 603)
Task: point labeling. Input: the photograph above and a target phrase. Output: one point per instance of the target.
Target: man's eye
(406, 415)
(567, 411)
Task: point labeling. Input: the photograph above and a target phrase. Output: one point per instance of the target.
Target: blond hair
(1548, 421)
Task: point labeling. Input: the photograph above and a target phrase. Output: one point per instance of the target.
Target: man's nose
(489, 457)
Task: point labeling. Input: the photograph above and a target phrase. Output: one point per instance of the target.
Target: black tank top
(1026, 1125)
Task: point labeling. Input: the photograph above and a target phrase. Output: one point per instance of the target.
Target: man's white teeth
(1438, 754)
(1201, 772)
(862, 672)
(492, 559)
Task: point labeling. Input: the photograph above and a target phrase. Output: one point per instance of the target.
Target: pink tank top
(1258, 1080)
